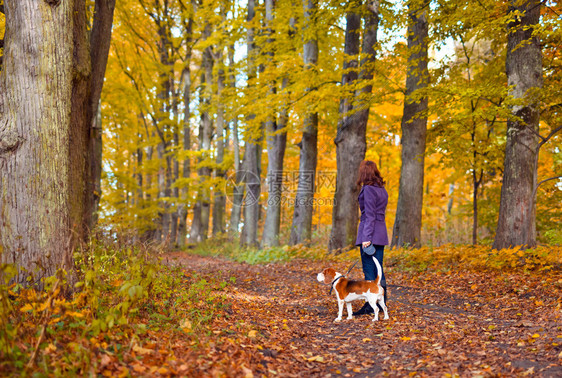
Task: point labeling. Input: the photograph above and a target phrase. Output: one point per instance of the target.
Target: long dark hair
(369, 174)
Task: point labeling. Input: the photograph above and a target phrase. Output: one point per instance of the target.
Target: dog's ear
(330, 274)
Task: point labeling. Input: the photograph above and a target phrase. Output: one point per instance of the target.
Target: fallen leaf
(316, 359)
(247, 372)
(162, 370)
(105, 360)
(141, 350)
(186, 325)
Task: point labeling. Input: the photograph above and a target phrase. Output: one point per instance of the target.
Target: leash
(344, 275)
(353, 266)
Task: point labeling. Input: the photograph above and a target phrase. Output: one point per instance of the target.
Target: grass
(448, 257)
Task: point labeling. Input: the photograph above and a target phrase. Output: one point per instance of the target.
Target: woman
(373, 199)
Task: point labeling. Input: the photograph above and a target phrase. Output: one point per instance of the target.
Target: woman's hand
(366, 244)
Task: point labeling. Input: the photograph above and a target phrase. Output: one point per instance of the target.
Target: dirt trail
(467, 325)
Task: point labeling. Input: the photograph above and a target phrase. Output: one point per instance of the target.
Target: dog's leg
(373, 302)
(349, 311)
(383, 305)
(340, 311)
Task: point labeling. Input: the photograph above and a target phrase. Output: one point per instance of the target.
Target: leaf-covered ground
(280, 323)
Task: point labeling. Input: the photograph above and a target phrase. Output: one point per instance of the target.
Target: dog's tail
(379, 270)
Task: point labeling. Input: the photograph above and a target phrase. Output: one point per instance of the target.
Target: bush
(122, 292)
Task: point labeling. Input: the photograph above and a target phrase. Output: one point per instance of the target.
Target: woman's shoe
(366, 309)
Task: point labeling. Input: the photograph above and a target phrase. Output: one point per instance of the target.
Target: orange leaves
(540, 260)
(275, 319)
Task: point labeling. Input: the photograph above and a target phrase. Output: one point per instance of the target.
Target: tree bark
(252, 154)
(186, 166)
(301, 229)
(238, 190)
(100, 39)
(219, 197)
(276, 145)
(276, 139)
(200, 231)
(407, 224)
(475, 187)
(516, 223)
(162, 127)
(44, 86)
(351, 134)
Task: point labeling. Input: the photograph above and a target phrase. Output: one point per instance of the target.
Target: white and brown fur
(348, 291)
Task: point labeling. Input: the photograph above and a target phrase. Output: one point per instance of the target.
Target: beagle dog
(348, 291)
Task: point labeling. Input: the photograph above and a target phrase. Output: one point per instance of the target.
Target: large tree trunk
(350, 146)
(407, 224)
(301, 229)
(351, 135)
(252, 154)
(516, 223)
(44, 89)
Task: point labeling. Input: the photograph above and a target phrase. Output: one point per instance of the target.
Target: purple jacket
(372, 202)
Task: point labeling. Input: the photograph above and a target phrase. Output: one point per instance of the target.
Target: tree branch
(541, 182)
(550, 135)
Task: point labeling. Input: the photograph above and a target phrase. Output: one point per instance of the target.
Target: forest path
(463, 324)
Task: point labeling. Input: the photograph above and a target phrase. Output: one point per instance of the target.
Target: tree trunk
(206, 122)
(516, 223)
(301, 229)
(238, 190)
(186, 169)
(195, 233)
(276, 144)
(95, 151)
(251, 176)
(175, 177)
(407, 224)
(276, 139)
(44, 86)
(162, 127)
(475, 185)
(351, 135)
(163, 194)
(219, 197)
(140, 192)
(100, 39)
(475, 188)
(252, 154)
(200, 231)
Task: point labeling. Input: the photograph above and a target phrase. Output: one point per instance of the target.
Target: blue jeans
(369, 267)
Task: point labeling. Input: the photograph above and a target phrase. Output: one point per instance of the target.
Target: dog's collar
(334, 281)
